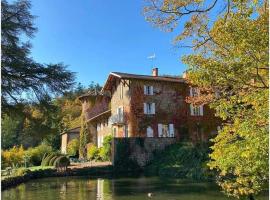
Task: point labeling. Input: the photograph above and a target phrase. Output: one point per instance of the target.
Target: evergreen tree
(20, 73)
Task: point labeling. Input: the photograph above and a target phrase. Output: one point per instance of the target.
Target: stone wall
(66, 138)
(138, 150)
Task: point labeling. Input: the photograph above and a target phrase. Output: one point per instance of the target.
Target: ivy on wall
(171, 107)
(84, 137)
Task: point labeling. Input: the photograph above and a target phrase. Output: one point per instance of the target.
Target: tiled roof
(147, 77)
(73, 130)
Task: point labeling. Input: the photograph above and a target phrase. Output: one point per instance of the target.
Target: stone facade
(67, 136)
(132, 106)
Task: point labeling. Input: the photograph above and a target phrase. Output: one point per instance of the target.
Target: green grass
(35, 168)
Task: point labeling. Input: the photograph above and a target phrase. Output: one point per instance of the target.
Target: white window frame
(196, 110)
(166, 130)
(121, 113)
(148, 90)
(194, 92)
(149, 108)
(149, 132)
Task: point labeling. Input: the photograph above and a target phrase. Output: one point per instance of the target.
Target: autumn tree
(230, 67)
(22, 75)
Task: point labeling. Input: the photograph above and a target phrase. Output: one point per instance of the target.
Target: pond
(82, 188)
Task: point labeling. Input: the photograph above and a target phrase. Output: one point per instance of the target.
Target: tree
(10, 131)
(20, 73)
(230, 67)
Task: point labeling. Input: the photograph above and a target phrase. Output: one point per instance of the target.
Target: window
(149, 108)
(120, 113)
(148, 90)
(98, 127)
(165, 130)
(194, 92)
(149, 132)
(196, 110)
(126, 130)
(121, 91)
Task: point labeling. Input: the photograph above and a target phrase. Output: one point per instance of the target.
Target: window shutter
(153, 108)
(145, 89)
(191, 110)
(159, 130)
(171, 129)
(152, 90)
(145, 108)
(201, 110)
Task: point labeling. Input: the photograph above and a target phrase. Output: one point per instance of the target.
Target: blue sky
(96, 37)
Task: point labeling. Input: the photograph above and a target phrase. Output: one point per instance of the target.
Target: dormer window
(148, 90)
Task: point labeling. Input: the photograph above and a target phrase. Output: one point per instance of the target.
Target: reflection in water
(100, 183)
(84, 188)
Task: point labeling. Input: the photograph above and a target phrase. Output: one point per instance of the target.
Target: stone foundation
(139, 150)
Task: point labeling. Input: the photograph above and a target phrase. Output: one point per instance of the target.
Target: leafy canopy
(22, 75)
(230, 67)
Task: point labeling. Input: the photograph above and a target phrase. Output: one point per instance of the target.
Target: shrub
(182, 160)
(73, 147)
(44, 156)
(13, 157)
(36, 154)
(46, 161)
(92, 152)
(61, 161)
(102, 154)
(52, 160)
(107, 146)
(20, 172)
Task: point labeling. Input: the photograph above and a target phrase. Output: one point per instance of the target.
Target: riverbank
(102, 170)
(183, 161)
(95, 171)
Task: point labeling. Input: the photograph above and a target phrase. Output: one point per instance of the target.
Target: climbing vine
(84, 135)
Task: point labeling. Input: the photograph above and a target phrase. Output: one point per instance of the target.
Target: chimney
(155, 72)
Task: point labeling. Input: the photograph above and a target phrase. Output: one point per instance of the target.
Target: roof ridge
(162, 76)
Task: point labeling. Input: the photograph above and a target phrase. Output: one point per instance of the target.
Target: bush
(20, 172)
(52, 160)
(13, 157)
(46, 161)
(73, 147)
(92, 152)
(182, 160)
(61, 161)
(105, 151)
(36, 154)
(102, 154)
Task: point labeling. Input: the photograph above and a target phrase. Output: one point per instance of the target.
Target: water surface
(85, 188)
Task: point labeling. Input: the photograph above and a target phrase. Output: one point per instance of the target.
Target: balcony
(117, 119)
(100, 107)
